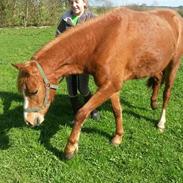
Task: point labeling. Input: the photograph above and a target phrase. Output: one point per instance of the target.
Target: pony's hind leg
(117, 110)
(169, 80)
(155, 83)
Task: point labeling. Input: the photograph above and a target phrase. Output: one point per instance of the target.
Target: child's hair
(86, 2)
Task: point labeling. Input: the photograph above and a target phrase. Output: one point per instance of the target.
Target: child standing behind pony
(77, 14)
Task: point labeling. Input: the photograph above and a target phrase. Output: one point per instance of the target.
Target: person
(77, 14)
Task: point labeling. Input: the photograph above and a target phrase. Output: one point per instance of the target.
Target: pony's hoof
(161, 130)
(116, 140)
(154, 105)
(69, 156)
(70, 151)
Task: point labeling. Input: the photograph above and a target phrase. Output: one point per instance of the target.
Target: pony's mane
(81, 27)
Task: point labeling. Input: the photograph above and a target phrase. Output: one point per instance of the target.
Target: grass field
(36, 155)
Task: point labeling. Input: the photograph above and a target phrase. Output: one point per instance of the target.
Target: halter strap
(46, 81)
(48, 86)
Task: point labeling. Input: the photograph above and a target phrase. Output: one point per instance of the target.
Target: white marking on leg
(162, 121)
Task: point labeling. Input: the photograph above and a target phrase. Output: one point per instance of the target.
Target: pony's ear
(22, 68)
(19, 66)
(27, 68)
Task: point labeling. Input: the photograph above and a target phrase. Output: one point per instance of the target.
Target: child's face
(77, 6)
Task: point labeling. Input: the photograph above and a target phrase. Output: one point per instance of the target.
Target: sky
(171, 3)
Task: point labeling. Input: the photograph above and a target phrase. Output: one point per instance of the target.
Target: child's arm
(61, 27)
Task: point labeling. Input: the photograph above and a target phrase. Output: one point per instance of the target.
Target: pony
(121, 45)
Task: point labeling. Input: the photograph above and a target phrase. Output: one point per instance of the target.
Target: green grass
(36, 155)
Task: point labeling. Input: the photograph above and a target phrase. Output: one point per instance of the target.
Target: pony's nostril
(37, 121)
(28, 123)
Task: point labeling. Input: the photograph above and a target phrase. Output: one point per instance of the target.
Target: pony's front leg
(96, 100)
(72, 144)
(117, 110)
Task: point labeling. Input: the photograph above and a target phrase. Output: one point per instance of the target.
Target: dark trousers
(77, 83)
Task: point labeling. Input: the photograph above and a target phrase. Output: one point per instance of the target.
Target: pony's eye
(31, 93)
(34, 93)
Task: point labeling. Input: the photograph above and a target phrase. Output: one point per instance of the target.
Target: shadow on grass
(13, 118)
(60, 109)
(126, 105)
(10, 118)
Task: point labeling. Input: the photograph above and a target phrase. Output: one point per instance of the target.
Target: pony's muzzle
(36, 121)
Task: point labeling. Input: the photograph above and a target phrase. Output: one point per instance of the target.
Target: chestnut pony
(118, 46)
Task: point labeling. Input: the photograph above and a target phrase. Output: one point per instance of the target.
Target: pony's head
(37, 91)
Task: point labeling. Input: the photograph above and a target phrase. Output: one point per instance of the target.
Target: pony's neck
(62, 57)
(57, 64)
(71, 52)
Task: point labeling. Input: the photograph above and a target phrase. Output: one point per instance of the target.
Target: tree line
(44, 12)
(35, 12)
(30, 12)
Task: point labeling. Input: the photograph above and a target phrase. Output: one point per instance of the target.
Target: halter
(48, 86)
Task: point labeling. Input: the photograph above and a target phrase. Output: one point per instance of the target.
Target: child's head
(78, 6)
